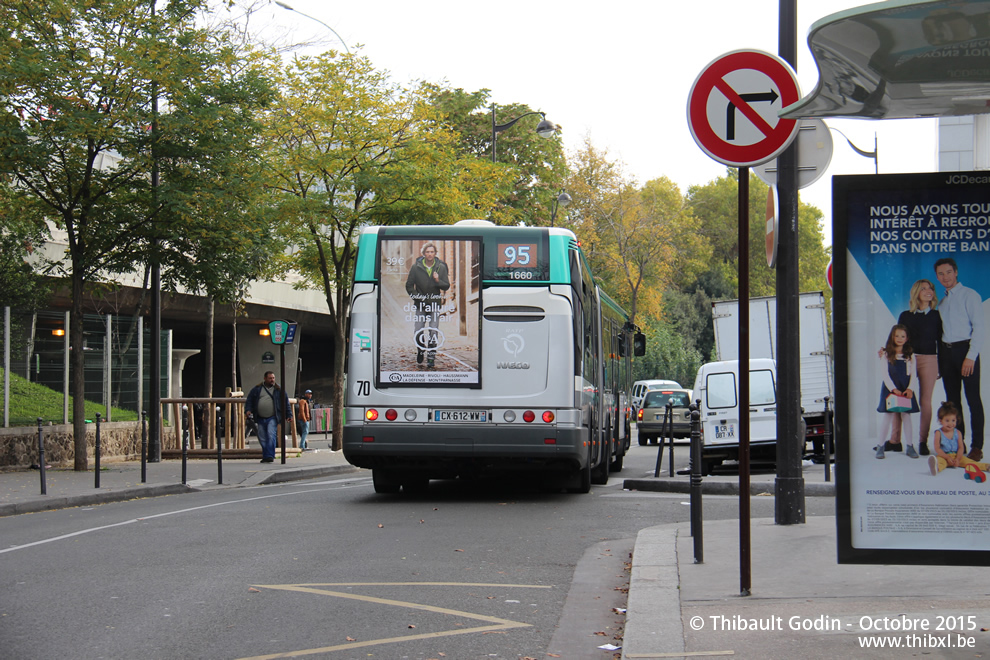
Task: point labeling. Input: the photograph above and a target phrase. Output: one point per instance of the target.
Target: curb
(69, 501)
(157, 490)
(298, 474)
(722, 487)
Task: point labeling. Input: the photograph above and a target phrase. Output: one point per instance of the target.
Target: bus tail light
(371, 414)
(548, 416)
(549, 441)
(529, 416)
(391, 414)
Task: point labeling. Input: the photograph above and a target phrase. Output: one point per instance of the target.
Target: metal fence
(117, 349)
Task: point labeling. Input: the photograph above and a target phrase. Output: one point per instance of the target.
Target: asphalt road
(328, 568)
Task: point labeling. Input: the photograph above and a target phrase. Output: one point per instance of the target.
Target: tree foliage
(529, 171)
(639, 239)
(350, 148)
(668, 355)
(83, 145)
(716, 205)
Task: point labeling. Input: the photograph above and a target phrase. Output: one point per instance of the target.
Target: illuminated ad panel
(910, 324)
(429, 312)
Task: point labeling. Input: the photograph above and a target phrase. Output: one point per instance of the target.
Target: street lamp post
(313, 18)
(563, 199)
(544, 129)
(862, 152)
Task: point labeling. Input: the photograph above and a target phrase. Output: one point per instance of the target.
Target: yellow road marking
(498, 624)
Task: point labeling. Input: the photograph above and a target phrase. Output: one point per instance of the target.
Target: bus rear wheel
(385, 481)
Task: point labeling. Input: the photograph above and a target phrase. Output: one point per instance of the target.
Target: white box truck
(815, 352)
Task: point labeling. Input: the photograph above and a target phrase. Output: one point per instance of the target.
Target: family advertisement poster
(889, 231)
(428, 312)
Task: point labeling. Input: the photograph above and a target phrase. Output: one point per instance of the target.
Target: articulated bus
(478, 349)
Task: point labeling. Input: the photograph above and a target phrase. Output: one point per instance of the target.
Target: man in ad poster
(429, 306)
(962, 338)
(895, 232)
(426, 284)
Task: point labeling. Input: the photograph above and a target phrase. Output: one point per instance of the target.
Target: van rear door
(719, 393)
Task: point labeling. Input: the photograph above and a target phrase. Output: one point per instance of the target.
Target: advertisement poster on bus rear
(429, 312)
(912, 277)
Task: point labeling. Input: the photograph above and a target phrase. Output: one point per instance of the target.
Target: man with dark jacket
(427, 281)
(267, 404)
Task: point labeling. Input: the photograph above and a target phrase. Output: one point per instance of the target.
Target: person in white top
(961, 310)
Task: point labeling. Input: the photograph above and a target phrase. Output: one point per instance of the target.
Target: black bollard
(696, 511)
(144, 446)
(667, 420)
(219, 457)
(96, 452)
(41, 457)
(185, 441)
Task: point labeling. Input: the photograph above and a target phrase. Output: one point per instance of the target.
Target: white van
(717, 386)
(641, 387)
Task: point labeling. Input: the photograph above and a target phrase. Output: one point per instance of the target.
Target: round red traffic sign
(828, 274)
(773, 234)
(733, 106)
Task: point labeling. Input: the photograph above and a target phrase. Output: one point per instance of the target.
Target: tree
(349, 148)
(667, 356)
(20, 286)
(716, 204)
(530, 170)
(688, 303)
(637, 238)
(78, 132)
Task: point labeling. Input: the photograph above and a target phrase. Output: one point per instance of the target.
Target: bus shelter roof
(900, 59)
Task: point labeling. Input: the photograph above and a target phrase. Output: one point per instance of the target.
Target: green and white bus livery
(475, 349)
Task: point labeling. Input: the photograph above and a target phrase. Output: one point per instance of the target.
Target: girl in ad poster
(900, 382)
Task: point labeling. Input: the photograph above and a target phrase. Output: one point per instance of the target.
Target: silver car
(650, 420)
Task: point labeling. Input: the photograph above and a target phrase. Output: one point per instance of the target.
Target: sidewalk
(20, 490)
(678, 608)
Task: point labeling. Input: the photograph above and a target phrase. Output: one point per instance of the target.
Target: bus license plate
(460, 416)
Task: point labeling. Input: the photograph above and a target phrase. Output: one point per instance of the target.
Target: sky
(617, 72)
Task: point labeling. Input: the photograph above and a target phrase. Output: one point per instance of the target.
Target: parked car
(650, 419)
(641, 387)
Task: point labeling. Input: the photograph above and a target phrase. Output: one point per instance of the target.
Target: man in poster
(959, 351)
(427, 281)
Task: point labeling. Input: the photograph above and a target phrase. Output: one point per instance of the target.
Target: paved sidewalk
(678, 608)
(20, 490)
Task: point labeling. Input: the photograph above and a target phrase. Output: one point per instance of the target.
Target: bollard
(670, 440)
(696, 512)
(41, 457)
(144, 446)
(185, 441)
(219, 458)
(827, 442)
(668, 418)
(96, 452)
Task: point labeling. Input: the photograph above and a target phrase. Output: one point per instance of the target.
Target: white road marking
(169, 513)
